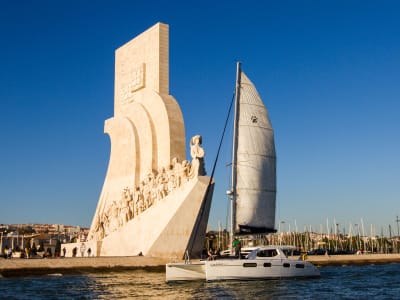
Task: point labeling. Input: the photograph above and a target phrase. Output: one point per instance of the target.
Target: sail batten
(255, 178)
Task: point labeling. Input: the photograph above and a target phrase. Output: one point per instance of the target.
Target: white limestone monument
(154, 202)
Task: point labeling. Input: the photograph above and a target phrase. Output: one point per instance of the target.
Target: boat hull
(240, 269)
(243, 269)
(185, 271)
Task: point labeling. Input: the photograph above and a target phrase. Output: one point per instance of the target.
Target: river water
(345, 282)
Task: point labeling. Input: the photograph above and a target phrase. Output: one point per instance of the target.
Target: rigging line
(222, 136)
(213, 170)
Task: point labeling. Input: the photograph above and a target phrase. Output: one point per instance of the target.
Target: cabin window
(300, 266)
(286, 265)
(288, 252)
(250, 265)
(267, 253)
(268, 265)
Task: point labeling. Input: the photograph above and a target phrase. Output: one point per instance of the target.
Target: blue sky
(328, 72)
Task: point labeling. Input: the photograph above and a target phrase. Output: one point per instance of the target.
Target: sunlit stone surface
(154, 201)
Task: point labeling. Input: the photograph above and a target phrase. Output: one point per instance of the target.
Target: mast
(234, 153)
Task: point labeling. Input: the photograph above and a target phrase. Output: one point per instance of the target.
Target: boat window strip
(249, 265)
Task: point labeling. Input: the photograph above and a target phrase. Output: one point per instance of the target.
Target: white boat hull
(265, 262)
(185, 271)
(244, 269)
(240, 269)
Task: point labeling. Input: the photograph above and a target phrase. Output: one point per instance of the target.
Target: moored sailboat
(253, 199)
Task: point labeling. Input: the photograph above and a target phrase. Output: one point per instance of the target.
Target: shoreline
(19, 267)
(353, 259)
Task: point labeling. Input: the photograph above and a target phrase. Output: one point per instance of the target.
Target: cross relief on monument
(136, 81)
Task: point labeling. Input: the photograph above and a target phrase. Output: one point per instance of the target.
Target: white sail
(255, 163)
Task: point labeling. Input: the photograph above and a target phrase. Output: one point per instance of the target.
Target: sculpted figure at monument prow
(197, 153)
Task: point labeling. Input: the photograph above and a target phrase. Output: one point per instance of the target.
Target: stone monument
(154, 202)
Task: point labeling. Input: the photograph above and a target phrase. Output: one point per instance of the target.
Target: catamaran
(253, 200)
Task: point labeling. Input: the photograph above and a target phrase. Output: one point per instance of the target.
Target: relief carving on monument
(153, 188)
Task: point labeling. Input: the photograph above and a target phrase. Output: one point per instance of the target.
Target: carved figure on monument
(146, 195)
(128, 204)
(113, 218)
(131, 206)
(148, 191)
(98, 233)
(142, 203)
(185, 170)
(177, 171)
(171, 183)
(171, 179)
(161, 180)
(124, 207)
(138, 197)
(106, 224)
(153, 188)
(197, 153)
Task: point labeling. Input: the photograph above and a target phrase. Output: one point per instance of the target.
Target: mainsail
(254, 161)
